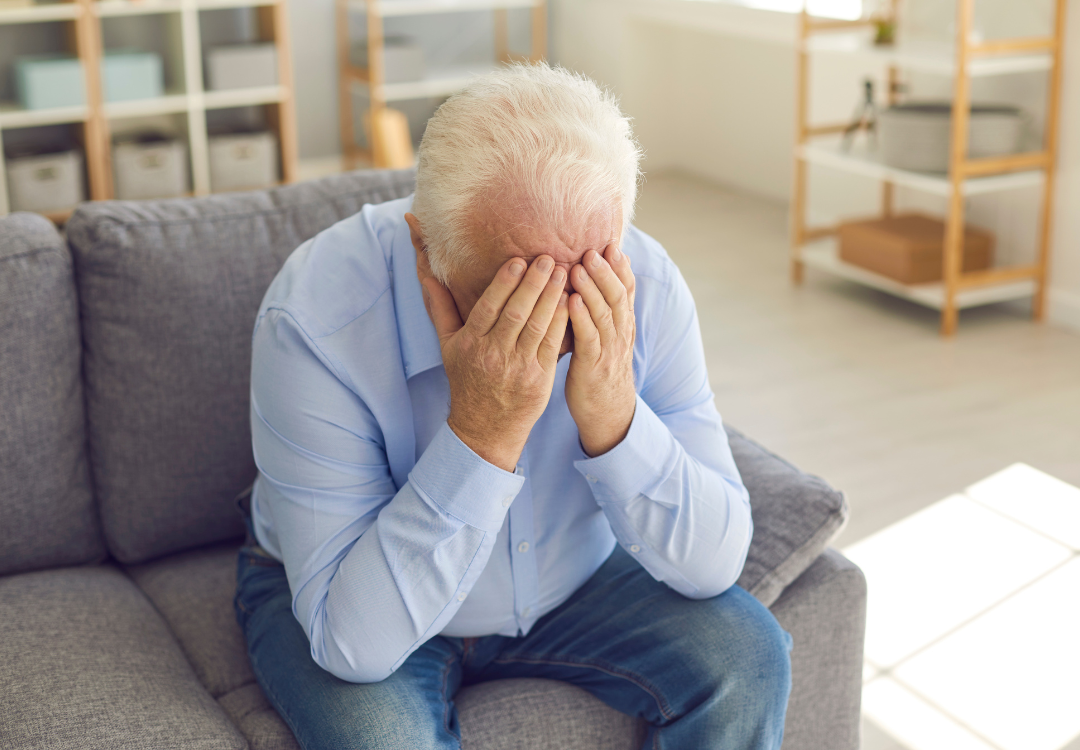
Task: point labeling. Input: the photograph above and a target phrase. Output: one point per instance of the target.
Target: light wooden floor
(857, 386)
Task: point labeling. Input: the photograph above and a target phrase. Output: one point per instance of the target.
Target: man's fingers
(442, 308)
(539, 320)
(599, 309)
(520, 306)
(620, 264)
(610, 285)
(552, 342)
(485, 313)
(586, 336)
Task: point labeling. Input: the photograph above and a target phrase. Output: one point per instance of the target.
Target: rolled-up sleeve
(374, 571)
(670, 489)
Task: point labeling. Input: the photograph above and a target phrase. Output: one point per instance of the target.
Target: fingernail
(559, 276)
(545, 264)
(595, 262)
(563, 299)
(516, 269)
(616, 255)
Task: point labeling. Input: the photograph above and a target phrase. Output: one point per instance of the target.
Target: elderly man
(487, 448)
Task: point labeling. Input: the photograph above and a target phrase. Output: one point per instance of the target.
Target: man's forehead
(511, 231)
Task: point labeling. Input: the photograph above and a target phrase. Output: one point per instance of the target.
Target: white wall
(711, 90)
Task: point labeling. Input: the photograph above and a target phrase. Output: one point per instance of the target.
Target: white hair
(542, 136)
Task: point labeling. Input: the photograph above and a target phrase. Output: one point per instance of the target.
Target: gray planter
(916, 136)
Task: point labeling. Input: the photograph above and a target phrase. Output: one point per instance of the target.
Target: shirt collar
(420, 348)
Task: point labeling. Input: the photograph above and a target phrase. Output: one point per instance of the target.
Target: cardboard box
(49, 182)
(48, 81)
(150, 169)
(241, 66)
(129, 75)
(909, 248)
(243, 161)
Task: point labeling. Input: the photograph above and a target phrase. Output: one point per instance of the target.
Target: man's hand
(501, 361)
(600, 381)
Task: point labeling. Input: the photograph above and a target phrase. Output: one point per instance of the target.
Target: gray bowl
(915, 136)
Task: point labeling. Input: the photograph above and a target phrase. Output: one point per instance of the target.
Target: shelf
(928, 57)
(39, 13)
(425, 7)
(824, 256)
(445, 81)
(113, 8)
(861, 161)
(162, 105)
(14, 116)
(243, 97)
(212, 4)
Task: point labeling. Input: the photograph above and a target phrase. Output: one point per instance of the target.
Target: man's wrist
(599, 435)
(500, 453)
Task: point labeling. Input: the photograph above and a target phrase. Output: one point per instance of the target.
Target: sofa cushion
(542, 715)
(86, 662)
(249, 709)
(795, 515)
(169, 291)
(194, 591)
(47, 515)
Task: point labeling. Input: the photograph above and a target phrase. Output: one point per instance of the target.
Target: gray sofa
(124, 439)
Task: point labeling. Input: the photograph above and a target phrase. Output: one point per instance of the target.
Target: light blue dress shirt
(393, 531)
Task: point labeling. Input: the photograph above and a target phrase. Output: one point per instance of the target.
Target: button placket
(522, 558)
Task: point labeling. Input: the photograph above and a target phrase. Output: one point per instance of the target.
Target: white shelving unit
(370, 80)
(860, 161)
(824, 255)
(924, 57)
(97, 116)
(816, 247)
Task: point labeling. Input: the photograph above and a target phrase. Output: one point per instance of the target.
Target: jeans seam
(446, 697)
(665, 709)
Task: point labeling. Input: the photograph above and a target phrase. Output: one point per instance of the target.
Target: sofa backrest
(168, 292)
(47, 515)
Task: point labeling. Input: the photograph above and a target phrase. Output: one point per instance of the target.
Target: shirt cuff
(453, 478)
(636, 464)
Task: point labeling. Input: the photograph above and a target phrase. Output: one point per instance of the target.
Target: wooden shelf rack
(94, 119)
(371, 80)
(964, 60)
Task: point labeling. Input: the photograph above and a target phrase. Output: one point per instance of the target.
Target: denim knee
(762, 656)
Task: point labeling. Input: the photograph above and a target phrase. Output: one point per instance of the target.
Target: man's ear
(415, 233)
(423, 267)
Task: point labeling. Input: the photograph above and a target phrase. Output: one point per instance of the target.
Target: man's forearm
(389, 595)
(687, 523)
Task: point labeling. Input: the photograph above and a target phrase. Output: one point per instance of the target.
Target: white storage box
(241, 66)
(150, 169)
(50, 182)
(241, 161)
(916, 136)
(403, 58)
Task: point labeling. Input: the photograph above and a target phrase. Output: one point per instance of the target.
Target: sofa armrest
(825, 612)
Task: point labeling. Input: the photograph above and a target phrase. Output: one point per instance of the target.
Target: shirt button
(526, 612)
(461, 596)
(507, 500)
(634, 548)
(523, 547)
(591, 478)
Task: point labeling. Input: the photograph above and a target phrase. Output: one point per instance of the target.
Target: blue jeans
(713, 673)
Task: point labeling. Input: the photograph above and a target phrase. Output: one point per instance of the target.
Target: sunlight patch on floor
(973, 620)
